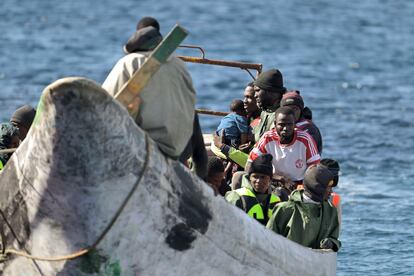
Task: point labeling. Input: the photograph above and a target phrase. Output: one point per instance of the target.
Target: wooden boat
(88, 192)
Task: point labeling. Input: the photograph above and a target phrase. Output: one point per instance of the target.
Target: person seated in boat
(256, 197)
(307, 217)
(23, 118)
(234, 125)
(167, 103)
(294, 100)
(292, 150)
(215, 175)
(9, 139)
(268, 89)
(334, 198)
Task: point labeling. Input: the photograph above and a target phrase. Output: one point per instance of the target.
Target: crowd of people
(278, 177)
(267, 151)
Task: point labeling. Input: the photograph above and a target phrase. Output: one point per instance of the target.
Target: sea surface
(353, 62)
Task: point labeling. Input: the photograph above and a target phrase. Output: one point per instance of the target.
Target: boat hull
(82, 157)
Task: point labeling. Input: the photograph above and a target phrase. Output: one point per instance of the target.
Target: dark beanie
(292, 98)
(262, 164)
(333, 167)
(316, 181)
(271, 80)
(148, 21)
(24, 116)
(145, 39)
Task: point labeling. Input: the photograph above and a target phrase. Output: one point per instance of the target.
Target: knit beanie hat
(333, 167)
(316, 181)
(145, 39)
(271, 80)
(262, 164)
(292, 98)
(24, 116)
(148, 21)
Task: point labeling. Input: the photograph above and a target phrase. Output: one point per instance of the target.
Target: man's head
(237, 106)
(9, 136)
(285, 124)
(260, 173)
(148, 21)
(23, 118)
(333, 166)
(318, 179)
(249, 100)
(269, 89)
(295, 102)
(215, 171)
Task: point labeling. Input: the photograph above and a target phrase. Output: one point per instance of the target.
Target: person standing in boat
(23, 118)
(269, 89)
(9, 138)
(250, 105)
(166, 111)
(255, 197)
(292, 150)
(307, 217)
(295, 101)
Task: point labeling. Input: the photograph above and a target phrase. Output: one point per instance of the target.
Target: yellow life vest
(252, 207)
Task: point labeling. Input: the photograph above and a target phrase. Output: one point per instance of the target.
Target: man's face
(296, 109)
(260, 182)
(14, 142)
(22, 130)
(265, 99)
(285, 125)
(216, 179)
(249, 100)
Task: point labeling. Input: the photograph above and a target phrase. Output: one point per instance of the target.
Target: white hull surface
(66, 182)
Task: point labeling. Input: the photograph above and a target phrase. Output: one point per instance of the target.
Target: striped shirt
(290, 160)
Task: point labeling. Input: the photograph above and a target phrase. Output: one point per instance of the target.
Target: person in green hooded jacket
(307, 217)
(9, 138)
(255, 197)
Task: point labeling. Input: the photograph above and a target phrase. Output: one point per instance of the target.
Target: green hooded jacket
(308, 224)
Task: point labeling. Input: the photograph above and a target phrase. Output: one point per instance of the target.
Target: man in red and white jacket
(292, 150)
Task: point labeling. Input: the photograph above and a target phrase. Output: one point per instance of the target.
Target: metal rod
(241, 65)
(211, 112)
(203, 54)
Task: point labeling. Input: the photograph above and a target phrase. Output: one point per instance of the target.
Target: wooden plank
(128, 95)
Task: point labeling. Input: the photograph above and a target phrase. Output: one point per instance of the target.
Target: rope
(81, 252)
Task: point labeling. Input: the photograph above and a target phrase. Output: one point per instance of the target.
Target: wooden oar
(8, 150)
(212, 112)
(128, 95)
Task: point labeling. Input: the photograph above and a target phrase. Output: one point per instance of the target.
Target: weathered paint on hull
(67, 180)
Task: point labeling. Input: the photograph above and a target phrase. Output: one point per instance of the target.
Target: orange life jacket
(335, 199)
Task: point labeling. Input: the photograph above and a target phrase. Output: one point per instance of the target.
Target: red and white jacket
(290, 160)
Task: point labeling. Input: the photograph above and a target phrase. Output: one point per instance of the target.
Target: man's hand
(327, 244)
(218, 140)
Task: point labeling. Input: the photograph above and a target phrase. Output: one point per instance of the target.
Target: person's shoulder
(304, 136)
(302, 123)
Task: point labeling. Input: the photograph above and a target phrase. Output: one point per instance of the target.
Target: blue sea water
(353, 62)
